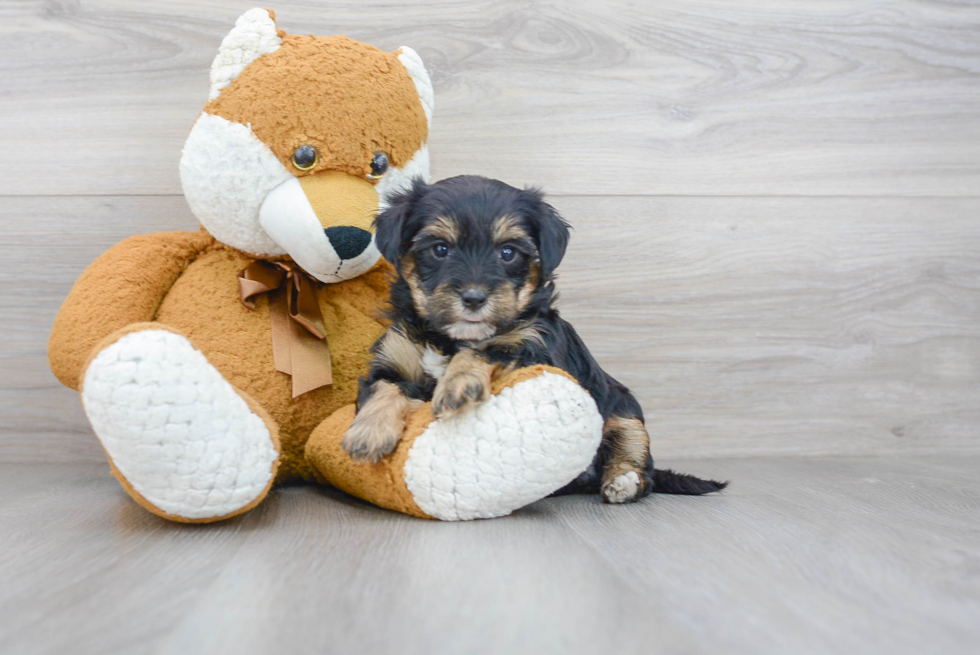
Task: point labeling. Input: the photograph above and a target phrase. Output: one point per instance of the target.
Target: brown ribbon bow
(299, 337)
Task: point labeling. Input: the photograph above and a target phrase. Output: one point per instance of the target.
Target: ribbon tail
(303, 306)
(310, 361)
(282, 332)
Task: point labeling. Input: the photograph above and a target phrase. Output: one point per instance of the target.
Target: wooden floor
(775, 204)
(777, 246)
(801, 555)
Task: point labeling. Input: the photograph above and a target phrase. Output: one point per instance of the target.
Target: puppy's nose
(473, 298)
(348, 242)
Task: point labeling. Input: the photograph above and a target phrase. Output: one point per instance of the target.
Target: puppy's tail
(666, 481)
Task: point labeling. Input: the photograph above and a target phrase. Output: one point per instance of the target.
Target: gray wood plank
(809, 555)
(691, 97)
(801, 555)
(745, 326)
(309, 569)
(51, 241)
(780, 326)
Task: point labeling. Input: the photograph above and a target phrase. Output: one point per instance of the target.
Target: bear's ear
(416, 69)
(255, 34)
(394, 226)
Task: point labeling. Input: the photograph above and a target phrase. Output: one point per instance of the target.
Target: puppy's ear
(391, 226)
(551, 232)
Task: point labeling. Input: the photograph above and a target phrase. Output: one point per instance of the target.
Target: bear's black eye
(507, 253)
(441, 250)
(304, 158)
(379, 166)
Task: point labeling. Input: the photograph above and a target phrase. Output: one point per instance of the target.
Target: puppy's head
(473, 251)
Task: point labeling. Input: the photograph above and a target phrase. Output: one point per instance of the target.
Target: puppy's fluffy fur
(474, 296)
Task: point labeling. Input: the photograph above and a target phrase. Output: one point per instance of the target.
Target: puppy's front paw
(625, 487)
(372, 436)
(458, 389)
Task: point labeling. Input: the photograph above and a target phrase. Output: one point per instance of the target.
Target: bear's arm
(125, 285)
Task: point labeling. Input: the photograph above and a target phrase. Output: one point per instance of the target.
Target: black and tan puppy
(474, 297)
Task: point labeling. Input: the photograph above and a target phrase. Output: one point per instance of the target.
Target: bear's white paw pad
(623, 488)
(522, 444)
(175, 428)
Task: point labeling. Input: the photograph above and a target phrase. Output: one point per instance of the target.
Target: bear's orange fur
(126, 285)
(364, 109)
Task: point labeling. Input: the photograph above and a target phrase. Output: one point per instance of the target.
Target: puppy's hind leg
(627, 473)
(627, 470)
(379, 423)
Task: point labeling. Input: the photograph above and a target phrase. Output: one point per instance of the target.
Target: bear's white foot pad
(623, 488)
(523, 444)
(179, 433)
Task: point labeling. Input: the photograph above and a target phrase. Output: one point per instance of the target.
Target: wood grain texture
(778, 326)
(745, 326)
(862, 555)
(693, 97)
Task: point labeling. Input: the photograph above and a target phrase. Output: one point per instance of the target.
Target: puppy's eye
(379, 166)
(507, 253)
(441, 250)
(304, 158)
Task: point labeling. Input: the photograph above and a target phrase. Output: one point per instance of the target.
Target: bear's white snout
(328, 252)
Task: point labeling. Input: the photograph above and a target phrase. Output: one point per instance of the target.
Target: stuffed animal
(213, 364)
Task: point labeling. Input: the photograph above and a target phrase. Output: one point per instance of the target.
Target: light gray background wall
(777, 240)
(777, 245)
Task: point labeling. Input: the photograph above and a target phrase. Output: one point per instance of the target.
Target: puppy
(474, 297)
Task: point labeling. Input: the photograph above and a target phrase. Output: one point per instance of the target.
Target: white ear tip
(416, 69)
(254, 35)
(255, 14)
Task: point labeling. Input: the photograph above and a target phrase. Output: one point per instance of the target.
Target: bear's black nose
(348, 242)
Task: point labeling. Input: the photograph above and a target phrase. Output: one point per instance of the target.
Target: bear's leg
(184, 443)
(537, 432)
